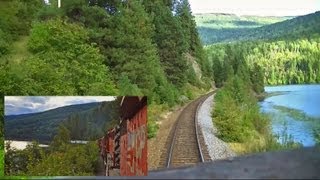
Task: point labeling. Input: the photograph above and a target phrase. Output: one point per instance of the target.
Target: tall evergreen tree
(190, 32)
(128, 47)
(170, 42)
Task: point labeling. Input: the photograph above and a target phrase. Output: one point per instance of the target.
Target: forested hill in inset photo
(84, 121)
(223, 28)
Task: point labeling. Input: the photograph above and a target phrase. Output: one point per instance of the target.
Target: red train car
(125, 147)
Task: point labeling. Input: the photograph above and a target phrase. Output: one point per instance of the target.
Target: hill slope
(217, 27)
(303, 26)
(85, 121)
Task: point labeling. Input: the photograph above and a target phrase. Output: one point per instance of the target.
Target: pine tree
(128, 47)
(170, 42)
(191, 36)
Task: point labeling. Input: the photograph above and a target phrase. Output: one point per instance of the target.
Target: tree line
(277, 62)
(223, 29)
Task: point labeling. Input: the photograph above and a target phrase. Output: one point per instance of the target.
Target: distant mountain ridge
(90, 118)
(230, 29)
(58, 109)
(232, 14)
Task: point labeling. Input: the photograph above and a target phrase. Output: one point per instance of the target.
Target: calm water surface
(296, 108)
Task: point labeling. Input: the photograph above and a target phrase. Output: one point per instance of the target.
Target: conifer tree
(191, 36)
(171, 43)
(128, 47)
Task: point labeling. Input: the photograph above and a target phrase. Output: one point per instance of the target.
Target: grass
(18, 51)
(252, 146)
(265, 142)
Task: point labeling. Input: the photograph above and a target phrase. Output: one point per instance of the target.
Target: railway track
(185, 144)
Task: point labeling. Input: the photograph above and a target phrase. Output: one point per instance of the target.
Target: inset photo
(75, 136)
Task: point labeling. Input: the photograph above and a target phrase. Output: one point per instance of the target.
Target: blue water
(305, 98)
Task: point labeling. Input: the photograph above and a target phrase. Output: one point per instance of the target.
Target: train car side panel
(137, 144)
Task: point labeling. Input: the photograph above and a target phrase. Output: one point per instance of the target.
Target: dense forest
(228, 28)
(103, 47)
(84, 121)
(282, 62)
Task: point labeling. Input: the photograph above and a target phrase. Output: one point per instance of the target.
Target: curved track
(186, 147)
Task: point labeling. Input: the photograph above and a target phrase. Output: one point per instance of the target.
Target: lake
(294, 109)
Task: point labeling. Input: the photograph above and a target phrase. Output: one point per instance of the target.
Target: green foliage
(287, 62)
(16, 17)
(170, 42)
(190, 33)
(56, 35)
(63, 159)
(34, 154)
(77, 160)
(127, 88)
(257, 78)
(64, 63)
(278, 62)
(91, 124)
(1, 123)
(1, 162)
(49, 12)
(234, 112)
(153, 117)
(4, 45)
(61, 140)
(129, 50)
(15, 161)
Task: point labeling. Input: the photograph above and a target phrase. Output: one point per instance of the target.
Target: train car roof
(130, 105)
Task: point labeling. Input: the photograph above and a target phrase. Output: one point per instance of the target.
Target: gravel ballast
(216, 147)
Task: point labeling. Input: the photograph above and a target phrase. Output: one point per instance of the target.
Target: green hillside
(84, 121)
(236, 30)
(219, 27)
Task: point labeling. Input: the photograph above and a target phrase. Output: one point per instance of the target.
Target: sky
(31, 104)
(256, 7)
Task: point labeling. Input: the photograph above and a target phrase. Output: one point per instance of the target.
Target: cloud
(30, 104)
